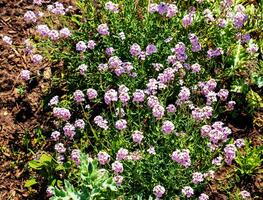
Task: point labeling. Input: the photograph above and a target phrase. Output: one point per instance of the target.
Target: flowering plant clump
(146, 84)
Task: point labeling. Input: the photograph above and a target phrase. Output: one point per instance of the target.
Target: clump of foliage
(142, 87)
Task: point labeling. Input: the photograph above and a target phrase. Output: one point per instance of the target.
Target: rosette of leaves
(93, 183)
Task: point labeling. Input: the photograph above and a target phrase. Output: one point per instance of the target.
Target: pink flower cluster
(169, 10)
(158, 191)
(110, 96)
(123, 94)
(217, 132)
(69, 130)
(188, 191)
(103, 29)
(112, 7)
(102, 123)
(103, 158)
(200, 114)
(197, 177)
(117, 167)
(61, 113)
(75, 156)
(121, 124)
(137, 137)
(78, 96)
(167, 127)
(182, 157)
(230, 153)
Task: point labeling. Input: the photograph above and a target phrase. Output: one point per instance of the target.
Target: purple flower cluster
(169, 10)
(240, 17)
(109, 51)
(82, 69)
(92, 94)
(187, 20)
(103, 158)
(30, 16)
(38, 2)
(167, 127)
(252, 48)
(42, 30)
(158, 191)
(122, 154)
(81, 46)
(200, 114)
(75, 156)
(61, 113)
(211, 53)
(117, 167)
(102, 123)
(55, 135)
(203, 196)
(69, 130)
(112, 7)
(78, 96)
(230, 153)
(25, 75)
(103, 29)
(245, 194)
(188, 191)
(196, 46)
(179, 51)
(239, 143)
(197, 177)
(37, 58)
(118, 180)
(182, 157)
(123, 94)
(171, 108)
(79, 123)
(138, 96)
(196, 68)
(217, 161)
(110, 96)
(59, 147)
(137, 137)
(91, 44)
(217, 132)
(119, 67)
(150, 49)
(158, 111)
(121, 124)
(53, 101)
(135, 50)
(166, 77)
(57, 8)
(157, 66)
(183, 95)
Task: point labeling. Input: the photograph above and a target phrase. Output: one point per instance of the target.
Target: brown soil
(19, 114)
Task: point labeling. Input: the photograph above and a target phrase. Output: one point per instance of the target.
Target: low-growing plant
(249, 160)
(93, 183)
(142, 87)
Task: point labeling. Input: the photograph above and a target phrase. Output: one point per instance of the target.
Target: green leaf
(60, 167)
(30, 182)
(34, 164)
(257, 79)
(45, 158)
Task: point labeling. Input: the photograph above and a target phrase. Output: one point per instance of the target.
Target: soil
(19, 113)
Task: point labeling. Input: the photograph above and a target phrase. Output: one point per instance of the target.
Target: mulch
(19, 114)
